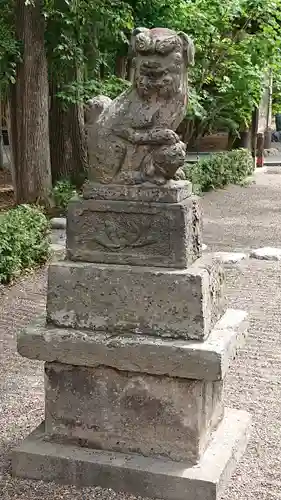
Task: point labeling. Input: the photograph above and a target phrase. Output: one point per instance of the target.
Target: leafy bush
(220, 169)
(63, 191)
(24, 241)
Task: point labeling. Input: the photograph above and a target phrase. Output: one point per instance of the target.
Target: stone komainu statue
(132, 139)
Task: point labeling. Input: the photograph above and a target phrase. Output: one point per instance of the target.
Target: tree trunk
(67, 140)
(254, 132)
(1, 136)
(260, 150)
(121, 66)
(29, 110)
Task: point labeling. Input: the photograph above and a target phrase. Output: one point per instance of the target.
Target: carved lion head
(161, 58)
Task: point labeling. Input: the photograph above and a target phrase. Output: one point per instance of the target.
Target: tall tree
(67, 138)
(29, 108)
(79, 36)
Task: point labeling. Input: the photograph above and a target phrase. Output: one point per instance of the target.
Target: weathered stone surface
(135, 233)
(37, 458)
(122, 299)
(132, 139)
(170, 192)
(266, 253)
(208, 360)
(58, 251)
(107, 409)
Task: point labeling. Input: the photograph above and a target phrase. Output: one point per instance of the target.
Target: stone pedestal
(139, 230)
(136, 344)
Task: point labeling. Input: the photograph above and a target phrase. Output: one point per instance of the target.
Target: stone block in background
(183, 304)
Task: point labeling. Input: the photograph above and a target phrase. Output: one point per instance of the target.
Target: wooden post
(260, 150)
(1, 135)
(268, 130)
(255, 122)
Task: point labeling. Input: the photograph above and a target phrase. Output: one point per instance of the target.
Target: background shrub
(24, 241)
(220, 169)
(63, 191)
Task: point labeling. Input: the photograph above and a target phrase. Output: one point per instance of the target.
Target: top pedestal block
(144, 225)
(171, 192)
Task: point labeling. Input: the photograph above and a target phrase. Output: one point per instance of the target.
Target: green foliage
(10, 48)
(24, 241)
(236, 42)
(276, 94)
(111, 87)
(63, 191)
(220, 169)
(81, 37)
(83, 91)
(79, 29)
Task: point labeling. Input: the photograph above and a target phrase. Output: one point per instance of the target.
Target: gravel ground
(242, 218)
(253, 382)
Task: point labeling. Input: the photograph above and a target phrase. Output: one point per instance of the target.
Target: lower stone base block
(39, 459)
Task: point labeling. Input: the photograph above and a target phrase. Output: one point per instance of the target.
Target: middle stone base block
(36, 458)
(117, 299)
(158, 416)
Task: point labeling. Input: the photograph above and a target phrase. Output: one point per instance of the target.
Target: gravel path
(252, 384)
(238, 219)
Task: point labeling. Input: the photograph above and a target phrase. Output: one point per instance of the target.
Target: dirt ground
(237, 218)
(6, 190)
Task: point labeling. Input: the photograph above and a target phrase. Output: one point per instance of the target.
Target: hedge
(24, 241)
(220, 169)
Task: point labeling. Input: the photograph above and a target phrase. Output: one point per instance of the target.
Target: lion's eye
(143, 43)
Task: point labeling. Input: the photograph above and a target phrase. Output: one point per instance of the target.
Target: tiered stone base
(37, 458)
(64, 448)
(136, 344)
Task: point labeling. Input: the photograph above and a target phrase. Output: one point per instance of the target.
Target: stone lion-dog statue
(132, 138)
